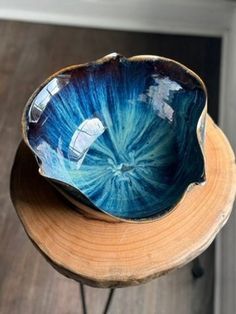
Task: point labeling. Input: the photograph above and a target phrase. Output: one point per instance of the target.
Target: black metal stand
(197, 272)
(82, 294)
(197, 269)
(108, 303)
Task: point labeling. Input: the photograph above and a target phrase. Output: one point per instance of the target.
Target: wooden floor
(28, 54)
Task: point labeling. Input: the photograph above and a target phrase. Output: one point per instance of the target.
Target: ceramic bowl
(124, 135)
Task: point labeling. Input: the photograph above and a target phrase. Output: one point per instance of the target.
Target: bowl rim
(135, 58)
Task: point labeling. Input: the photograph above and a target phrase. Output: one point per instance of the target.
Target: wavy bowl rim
(102, 60)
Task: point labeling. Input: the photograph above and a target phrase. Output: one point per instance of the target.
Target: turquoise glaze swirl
(123, 133)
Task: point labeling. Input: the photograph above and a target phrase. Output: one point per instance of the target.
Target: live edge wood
(116, 254)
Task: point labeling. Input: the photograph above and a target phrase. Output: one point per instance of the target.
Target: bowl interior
(121, 132)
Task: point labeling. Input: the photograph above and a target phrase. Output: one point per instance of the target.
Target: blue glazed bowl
(125, 136)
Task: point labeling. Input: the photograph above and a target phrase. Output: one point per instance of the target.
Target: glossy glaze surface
(123, 132)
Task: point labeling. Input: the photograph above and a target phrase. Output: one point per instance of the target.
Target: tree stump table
(113, 254)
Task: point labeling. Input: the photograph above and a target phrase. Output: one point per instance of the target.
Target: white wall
(143, 15)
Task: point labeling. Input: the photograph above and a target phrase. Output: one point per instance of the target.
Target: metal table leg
(107, 305)
(197, 269)
(197, 272)
(82, 294)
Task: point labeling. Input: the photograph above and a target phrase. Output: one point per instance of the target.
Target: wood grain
(111, 254)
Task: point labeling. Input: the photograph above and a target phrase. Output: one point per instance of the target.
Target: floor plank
(28, 54)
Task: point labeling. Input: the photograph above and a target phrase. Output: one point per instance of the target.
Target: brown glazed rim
(84, 209)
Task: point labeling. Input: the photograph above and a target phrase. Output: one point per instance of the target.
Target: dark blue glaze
(124, 133)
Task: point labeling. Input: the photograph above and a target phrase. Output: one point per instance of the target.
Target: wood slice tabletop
(116, 254)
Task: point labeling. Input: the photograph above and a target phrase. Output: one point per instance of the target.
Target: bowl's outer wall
(126, 135)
